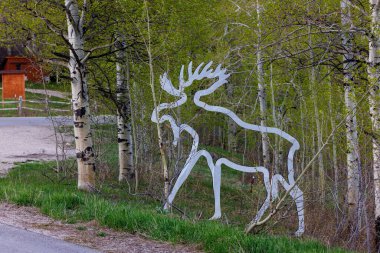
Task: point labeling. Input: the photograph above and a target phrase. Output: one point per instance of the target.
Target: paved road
(44, 121)
(15, 240)
(33, 121)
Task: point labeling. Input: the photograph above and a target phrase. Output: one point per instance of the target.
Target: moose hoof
(215, 217)
(299, 233)
(166, 206)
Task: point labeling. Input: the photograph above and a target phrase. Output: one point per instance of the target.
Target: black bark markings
(86, 154)
(79, 113)
(377, 233)
(78, 124)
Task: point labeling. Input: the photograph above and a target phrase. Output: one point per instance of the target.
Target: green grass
(37, 185)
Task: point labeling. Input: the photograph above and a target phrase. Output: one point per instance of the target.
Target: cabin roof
(16, 51)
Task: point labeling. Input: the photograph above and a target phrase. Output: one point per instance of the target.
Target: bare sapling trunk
(334, 153)
(277, 148)
(374, 100)
(313, 88)
(124, 115)
(353, 158)
(232, 142)
(80, 99)
(160, 141)
(261, 89)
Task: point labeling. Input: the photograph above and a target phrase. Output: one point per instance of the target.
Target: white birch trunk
(374, 100)
(261, 90)
(82, 129)
(124, 118)
(353, 158)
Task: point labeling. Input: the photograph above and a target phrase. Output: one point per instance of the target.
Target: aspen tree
(80, 99)
(374, 101)
(124, 114)
(353, 160)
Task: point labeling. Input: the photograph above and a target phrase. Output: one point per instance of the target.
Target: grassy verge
(37, 185)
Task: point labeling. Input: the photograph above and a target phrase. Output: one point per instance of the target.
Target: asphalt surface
(15, 240)
(44, 121)
(33, 121)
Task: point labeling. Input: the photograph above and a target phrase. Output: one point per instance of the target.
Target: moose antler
(198, 74)
(193, 76)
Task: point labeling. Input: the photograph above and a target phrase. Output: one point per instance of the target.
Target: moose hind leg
(297, 196)
(216, 178)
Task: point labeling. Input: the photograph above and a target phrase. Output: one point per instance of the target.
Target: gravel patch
(19, 144)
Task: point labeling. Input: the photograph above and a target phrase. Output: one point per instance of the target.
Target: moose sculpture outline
(271, 184)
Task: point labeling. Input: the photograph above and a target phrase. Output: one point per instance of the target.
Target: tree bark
(80, 99)
(374, 100)
(124, 115)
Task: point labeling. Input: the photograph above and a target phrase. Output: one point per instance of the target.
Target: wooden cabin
(33, 71)
(14, 59)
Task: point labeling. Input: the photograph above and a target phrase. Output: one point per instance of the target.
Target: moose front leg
(191, 161)
(297, 196)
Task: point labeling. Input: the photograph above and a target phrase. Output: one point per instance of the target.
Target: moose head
(166, 84)
(199, 74)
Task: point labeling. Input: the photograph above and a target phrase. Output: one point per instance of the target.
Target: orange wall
(13, 86)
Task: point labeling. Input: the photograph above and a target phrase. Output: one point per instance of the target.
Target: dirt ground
(87, 234)
(30, 143)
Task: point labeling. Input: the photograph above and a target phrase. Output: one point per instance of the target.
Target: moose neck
(156, 112)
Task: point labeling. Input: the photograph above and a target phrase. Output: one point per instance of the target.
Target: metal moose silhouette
(271, 184)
